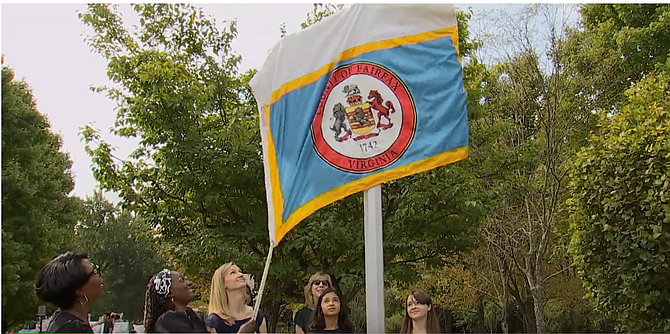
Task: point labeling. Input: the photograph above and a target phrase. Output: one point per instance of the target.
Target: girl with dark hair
(419, 314)
(71, 282)
(330, 315)
(166, 306)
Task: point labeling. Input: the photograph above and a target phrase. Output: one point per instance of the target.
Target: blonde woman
(316, 285)
(228, 310)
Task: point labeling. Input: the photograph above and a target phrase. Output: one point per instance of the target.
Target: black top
(302, 318)
(180, 322)
(338, 330)
(63, 322)
(214, 321)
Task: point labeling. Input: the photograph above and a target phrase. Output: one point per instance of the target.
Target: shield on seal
(360, 118)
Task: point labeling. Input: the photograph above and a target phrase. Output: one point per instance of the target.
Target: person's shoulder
(169, 315)
(63, 322)
(302, 317)
(195, 315)
(304, 311)
(173, 321)
(72, 326)
(197, 318)
(213, 320)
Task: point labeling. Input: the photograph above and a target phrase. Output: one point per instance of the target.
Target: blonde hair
(309, 298)
(218, 298)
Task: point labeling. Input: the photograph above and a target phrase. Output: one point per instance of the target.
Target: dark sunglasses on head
(96, 271)
(320, 282)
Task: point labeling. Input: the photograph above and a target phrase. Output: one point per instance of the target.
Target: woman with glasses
(72, 283)
(316, 285)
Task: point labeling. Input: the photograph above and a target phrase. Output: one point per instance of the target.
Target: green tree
(619, 44)
(621, 211)
(532, 119)
(38, 213)
(121, 244)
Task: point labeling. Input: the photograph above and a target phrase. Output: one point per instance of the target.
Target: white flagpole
(263, 281)
(374, 260)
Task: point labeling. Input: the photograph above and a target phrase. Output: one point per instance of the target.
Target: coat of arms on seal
(365, 120)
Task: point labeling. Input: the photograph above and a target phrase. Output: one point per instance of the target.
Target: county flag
(371, 94)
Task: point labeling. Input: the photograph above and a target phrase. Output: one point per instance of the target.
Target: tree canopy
(621, 210)
(38, 213)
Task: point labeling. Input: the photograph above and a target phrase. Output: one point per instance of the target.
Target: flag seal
(362, 135)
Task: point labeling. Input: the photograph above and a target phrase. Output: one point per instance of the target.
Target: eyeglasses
(321, 282)
(96, 271)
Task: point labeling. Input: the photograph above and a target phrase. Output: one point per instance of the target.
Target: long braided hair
(156, 302)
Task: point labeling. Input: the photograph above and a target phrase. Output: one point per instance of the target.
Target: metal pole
(374, 260)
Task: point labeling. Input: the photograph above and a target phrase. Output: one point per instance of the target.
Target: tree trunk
(537, 293)
(525, 307)
(528, 315)
(504, 300)
(504, 322)
(480, 315)
(536, 285)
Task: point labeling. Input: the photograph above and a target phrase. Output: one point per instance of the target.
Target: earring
(85, 301)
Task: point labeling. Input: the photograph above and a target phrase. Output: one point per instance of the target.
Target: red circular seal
(365, 120)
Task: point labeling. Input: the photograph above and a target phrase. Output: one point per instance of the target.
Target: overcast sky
(44, 44)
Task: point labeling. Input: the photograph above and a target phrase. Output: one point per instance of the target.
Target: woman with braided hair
(166, 306)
